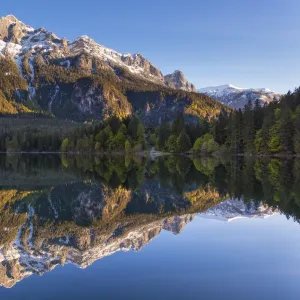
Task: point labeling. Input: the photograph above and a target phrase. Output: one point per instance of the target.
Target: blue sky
(242, 42)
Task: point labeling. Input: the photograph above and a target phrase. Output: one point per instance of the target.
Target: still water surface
(136, 228)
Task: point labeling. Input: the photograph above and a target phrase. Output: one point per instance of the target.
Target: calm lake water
(90, 227)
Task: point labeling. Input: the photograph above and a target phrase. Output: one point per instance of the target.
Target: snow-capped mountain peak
(11, 18)
(18, 39)
(220, 88)
(237, 97)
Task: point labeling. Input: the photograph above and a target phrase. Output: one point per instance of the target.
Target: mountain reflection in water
(57, 210)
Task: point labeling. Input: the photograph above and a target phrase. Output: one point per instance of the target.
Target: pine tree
(108, 137)
(265, 135)
(178, 125)
(286, 131)
(127, 146)
(183, 142)
(258, 115)
(297, 130)
(163, 135)
(236, 138)
(141, 140)
(249, 127)
(119, 140)
(220, 128)
(171, 144)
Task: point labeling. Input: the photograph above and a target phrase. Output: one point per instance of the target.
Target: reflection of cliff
(204, 198)
(9, 220)
(82, 222)
(30, 255)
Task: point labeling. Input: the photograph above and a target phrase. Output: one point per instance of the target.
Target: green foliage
(119, 140)
(220, 128)
(141, 140)
(171, 144)
(10, 79)
(127, 146)
(297, 130)
(112, 136)
(274, 139)
(65, 145)
(183, 142)
(272, 129)
(258, 141)
(153, 139)
(206, 144)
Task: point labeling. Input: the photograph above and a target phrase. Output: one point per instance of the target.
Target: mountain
(82, 247)
(20, 39)
(177, 80)
(81, 223)
(81, 80)
(238, 97)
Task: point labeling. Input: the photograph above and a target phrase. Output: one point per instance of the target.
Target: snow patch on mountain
(18, 39)
(237, 97)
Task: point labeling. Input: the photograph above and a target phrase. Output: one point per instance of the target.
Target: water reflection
(76, 209)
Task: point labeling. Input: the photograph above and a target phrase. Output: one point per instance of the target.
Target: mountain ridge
(237, 97)
(83, 81)
(37, 38)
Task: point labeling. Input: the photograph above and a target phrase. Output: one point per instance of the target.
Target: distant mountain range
(238, 97)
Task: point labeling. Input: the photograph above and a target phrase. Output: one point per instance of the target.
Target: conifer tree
(183, 142)
(297, 131)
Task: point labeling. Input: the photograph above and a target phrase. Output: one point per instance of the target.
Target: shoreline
(155, 153)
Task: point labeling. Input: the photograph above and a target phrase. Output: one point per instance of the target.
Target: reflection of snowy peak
(238, 97)
(236, 209)
(27, 256)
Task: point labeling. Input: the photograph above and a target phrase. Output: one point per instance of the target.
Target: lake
(170, 227)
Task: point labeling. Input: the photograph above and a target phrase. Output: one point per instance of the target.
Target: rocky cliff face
(38, 247)
(238, 97)
(82, 80)
(23, 258)
(177, 80)
(19, 39)
(12, 30)
(136, 63)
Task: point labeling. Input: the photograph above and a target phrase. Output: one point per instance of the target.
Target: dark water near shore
(74, 227)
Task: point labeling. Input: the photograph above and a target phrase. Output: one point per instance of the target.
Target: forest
(272, 129)
(203, 127)
(51, 135)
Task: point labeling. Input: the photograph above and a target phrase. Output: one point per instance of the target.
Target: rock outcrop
(177, 80)
(82, 80)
